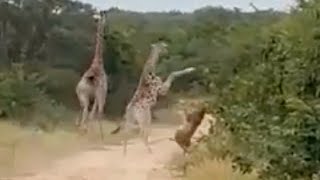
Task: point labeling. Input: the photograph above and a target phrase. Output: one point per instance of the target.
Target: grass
(205, 169)
(24, 150)
(216, 170)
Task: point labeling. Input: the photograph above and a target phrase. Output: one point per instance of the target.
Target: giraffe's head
(100, 17)
(103, 15)
(96, 16)
(160, 47)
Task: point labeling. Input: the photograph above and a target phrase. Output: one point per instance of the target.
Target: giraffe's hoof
(190, 69)
(83, 130)
(77, 123)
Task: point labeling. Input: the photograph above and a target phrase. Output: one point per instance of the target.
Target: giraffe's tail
(115, 131)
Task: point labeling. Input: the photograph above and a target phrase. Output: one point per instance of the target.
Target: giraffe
(138, 111)
(92, 87)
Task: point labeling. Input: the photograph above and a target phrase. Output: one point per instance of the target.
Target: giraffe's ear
(103, 13)
(164, 45)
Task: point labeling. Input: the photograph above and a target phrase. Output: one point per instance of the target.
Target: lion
(192, 114)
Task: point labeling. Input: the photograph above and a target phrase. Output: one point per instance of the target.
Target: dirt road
(110, 164)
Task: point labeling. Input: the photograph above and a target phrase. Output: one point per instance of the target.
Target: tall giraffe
(92, 88)
(150, 86)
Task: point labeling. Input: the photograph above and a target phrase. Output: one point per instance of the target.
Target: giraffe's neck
(151, 62)
(98, 59)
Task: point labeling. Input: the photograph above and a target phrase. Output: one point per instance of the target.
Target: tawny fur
(192, 120)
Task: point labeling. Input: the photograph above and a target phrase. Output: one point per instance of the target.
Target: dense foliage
(53, 40)
(270, 108)
(261, 68)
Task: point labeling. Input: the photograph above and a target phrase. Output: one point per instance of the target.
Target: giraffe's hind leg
(93, 111)
(83, 123)
(144, 120)
(78, 119)
(125, 140)
(84, 103)
(145, 138)
(101, 100)
(128, 119)
(101, 96)
(128, 127)
(130, 124)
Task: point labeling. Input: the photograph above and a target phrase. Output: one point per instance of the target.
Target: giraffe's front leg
(164, 87)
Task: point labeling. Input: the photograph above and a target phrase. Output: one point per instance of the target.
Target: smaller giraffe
(92, 88)
(138, 111)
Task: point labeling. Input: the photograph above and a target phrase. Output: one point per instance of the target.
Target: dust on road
(110, 164)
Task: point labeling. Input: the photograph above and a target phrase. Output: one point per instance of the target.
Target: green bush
(60, 85)
(17, 96)
(24, 101)
(271, 107)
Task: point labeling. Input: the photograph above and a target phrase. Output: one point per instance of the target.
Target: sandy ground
(108, 163)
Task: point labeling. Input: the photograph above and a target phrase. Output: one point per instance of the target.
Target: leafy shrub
(222, 170)
(271, 107)
(23, 100)
(17, 96)
(60, 85)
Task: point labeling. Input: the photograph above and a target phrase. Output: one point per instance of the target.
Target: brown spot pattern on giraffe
(147, 91)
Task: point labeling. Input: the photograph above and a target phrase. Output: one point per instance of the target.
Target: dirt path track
(110, 164)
